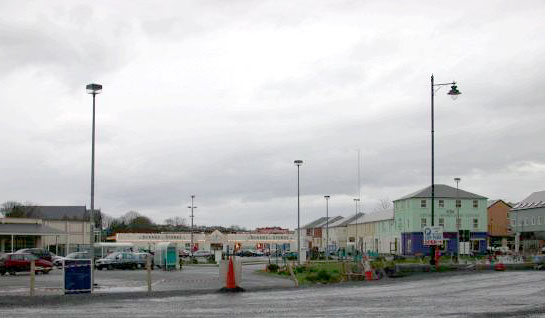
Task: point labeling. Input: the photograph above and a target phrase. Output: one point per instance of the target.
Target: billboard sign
(433, 235)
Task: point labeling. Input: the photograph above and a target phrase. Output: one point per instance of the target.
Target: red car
(20, 262)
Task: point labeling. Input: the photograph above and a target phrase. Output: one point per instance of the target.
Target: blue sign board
(77, 276)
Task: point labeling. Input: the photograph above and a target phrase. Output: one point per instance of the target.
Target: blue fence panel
(77, 276)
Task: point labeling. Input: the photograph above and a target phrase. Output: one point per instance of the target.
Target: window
(441, 203)
(533, 220)
(458, 223)
(526, 221)
(475, 203)
(422, 203)
(442, 222)
(351, 239)
(423, 222)
(475, 223)
(539, 220)
(458, 203)
(409, 245)
(512, 222)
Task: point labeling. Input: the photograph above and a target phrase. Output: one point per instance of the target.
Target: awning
(29, 229)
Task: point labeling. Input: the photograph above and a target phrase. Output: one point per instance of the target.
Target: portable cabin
(166, 256)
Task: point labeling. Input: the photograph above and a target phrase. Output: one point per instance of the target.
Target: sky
(217, 99)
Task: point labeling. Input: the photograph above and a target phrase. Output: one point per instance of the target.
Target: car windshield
(112, 256)
(76, 255)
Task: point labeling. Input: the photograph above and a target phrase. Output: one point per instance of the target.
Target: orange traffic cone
(231, 283)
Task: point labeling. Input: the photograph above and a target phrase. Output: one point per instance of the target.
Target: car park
(202, 253)
(142, 259)
(76, 255)
(117, 260)
(41, 253)
(20, 262)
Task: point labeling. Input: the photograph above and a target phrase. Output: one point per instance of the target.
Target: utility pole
(327, 226)
(457, 219)
(192, 216)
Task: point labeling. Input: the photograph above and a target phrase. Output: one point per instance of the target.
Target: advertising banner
(433, 235)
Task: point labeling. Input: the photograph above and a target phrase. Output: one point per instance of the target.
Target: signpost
(433, 235)
(77, 276)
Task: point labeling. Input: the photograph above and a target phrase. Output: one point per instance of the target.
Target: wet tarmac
(487, 294)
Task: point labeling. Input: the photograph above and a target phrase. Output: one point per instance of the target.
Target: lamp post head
(327, 197)
(457, 180)
(357, 200)
(454, 92)
(94, 89)
(298, 162)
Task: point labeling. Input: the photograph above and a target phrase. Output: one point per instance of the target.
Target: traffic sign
(433, 235)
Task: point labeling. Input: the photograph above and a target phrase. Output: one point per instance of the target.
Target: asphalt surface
(481, 294)
(120, 281)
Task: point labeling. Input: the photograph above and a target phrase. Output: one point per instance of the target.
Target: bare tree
(383, 205)
(176, 221)
(128, 217)
(14, 209)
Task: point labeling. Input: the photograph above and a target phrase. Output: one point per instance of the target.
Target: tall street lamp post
(356, 242)
(454, 92)
(93, 89)
(298, 163)
(327, 226)
(457, 180)
(192, 206)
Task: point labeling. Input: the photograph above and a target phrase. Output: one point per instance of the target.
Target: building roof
(442, 191)
(79, 213)
(535, 200)
(321, 222)
(375, 217)
(331, 221)
(28, 229)
(344, 221)
(492, 202)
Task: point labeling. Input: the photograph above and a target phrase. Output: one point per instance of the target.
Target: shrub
(194, 260)
(299, 269)
(211, 259)
(272, 268)
(324, 276)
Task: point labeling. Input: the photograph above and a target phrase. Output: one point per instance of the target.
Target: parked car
(118, 260)
(202, 253)
(244, 253)
(20, 262)
(57, 261)
(184, 253)
(41, 253)
(142, 259)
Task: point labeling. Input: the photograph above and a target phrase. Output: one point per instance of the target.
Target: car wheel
(134, 266)
(140, 266)
(12, 272)
(110, 267)
(46, 271)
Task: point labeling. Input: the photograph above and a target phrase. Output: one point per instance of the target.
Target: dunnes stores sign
(268, 237)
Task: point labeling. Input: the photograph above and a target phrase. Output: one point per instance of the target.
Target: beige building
(211, 241)
(60, 229)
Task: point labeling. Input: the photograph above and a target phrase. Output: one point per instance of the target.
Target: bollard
(32, 276)
(148, 269)
(295, 281)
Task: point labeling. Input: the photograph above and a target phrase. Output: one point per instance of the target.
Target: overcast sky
(218, 98)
